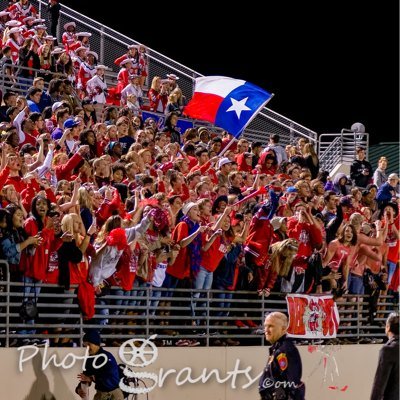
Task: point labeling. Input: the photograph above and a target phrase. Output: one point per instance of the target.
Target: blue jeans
(139, 291)
(223, 305)
(104, 311)
(356, 284)
(120, 302)
(154, 299)
(27, 290)
(203, 280)
(391, 270)
(170, 282)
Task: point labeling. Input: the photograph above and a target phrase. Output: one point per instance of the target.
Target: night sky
(329, 64)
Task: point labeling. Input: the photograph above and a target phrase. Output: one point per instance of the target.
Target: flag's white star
(238, 106)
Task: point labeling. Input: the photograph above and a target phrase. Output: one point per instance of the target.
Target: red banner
(312, 316)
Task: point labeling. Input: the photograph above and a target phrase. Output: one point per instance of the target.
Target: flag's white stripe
(218, 85)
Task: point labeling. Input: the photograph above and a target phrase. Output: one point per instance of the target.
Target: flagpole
(248, 122)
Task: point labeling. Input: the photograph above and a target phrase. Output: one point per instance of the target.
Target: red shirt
(184, 193)
(309, 236)
(52, 269)
(211, 258)
(181, 267)
(393, 243)
(34, 262)
(340, 256)
(126, 268)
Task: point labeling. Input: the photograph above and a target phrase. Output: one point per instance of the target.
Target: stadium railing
(179, 315)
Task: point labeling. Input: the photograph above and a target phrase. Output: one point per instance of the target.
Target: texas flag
(225, 102)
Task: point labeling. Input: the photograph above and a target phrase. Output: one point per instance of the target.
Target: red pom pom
(117, 237)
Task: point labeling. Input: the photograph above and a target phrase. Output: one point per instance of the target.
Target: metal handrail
(312, 138)
(339, 148)
(151, 316)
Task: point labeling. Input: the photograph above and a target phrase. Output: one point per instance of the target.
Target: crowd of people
(100, 198)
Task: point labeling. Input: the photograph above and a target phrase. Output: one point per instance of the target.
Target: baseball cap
(56, 105)
(187, 207)
(92, 336)
(291, 189)
(223, 161)
(276, 222)
(70, 123)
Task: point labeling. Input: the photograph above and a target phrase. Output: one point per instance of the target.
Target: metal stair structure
(338, 149)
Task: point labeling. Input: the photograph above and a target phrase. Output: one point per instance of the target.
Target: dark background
(328, 64)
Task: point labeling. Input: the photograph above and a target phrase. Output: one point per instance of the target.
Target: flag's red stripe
(203, 106)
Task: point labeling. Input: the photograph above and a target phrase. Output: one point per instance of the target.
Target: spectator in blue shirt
(33, 99)
(45, 99)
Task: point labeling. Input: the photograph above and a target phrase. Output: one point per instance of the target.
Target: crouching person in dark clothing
(106, 378)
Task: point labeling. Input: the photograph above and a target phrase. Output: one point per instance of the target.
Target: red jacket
(65, 171)
(259, 238)
(242, 164)
(309, 236)
(107, 208)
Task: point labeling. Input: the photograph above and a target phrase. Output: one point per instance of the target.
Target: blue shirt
(33, 107)
(106, 377)
(45, 101)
